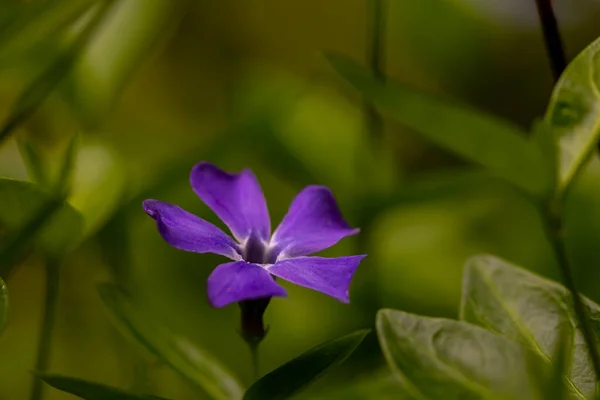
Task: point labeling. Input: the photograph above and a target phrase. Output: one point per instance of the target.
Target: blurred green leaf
(530, 309)
(260, 135)
(34, 22)
(488, 141)
(295, 375)
(191, 362)
(3, 304)
(425, 187)
(265, 102)
(90, 390)
(98, 184)
(547, 146)
(573, 115)
(129, 35)
(33, 161)
(29, 212)
(437, 358)
(42, 86)
(65, 174)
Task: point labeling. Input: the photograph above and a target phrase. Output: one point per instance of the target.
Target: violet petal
(238, 281)
(331, 276)
(188, 232)
(313, 223)
(237, 199)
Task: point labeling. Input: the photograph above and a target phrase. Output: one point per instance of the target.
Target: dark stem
(376, 60)
(555, 232)
(554, 45)
(48, 321)
(252, 328)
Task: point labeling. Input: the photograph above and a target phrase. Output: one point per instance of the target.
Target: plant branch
(48, 322)
(552, 38)
(555, 233)
(553, 216)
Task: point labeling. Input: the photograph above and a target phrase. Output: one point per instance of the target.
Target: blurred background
(160, 85)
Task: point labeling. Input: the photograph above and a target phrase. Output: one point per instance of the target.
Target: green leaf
(96, 198)
(438, 358)
(380, 386)
(530, 309)
(58, 224)
(491, 142)
(34, 94)
(65, 174)
(90, 390)
(550, 380)
(261, 137)
(193, 363)
(3, 304)
(573, 115)
(36, 21)
(33, 161)
(128, 36)
(295, 375)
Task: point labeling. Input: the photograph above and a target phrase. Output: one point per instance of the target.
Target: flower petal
(238, 281)
(331, 276)
(188, 232)
(236, 198)
(313, 223)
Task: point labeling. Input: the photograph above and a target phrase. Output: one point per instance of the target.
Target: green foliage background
(165, 84)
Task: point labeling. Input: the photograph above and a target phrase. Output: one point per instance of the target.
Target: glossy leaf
(59, 227)
(528, 308)
(556, 385)
(3, 304)
(491, 142)
(437, 358)
(90, 390)
(193, 363)
(573, 116)
(295, 375)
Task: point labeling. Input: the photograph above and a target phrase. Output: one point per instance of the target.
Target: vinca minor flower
(313, 223)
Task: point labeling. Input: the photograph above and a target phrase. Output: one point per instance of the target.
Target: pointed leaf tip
(90, 390)
(297, 374)
(572, 119)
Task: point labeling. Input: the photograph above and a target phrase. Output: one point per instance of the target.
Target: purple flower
(313, 223)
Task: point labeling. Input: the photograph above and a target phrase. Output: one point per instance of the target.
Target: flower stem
(554, 44)
(252, 328)
(254, 354)
(554, 229)
(48, 321)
